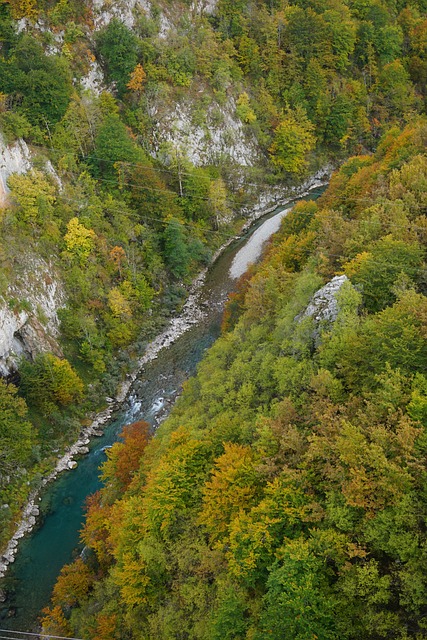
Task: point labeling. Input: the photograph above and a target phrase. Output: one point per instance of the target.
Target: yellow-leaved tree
(49, 382)
(23, 8)
(293, 140)
(79, 240)
(34, 194)
(230, 490)
(118, 303)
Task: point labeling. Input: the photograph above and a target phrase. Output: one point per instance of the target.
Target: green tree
(118, 48)
(50, 382)
(176, 251)
(230, 614)
(298, 603)
(343, 30)
(42, 84)
(113, 146)
(395, 90)
(17, 435)
(8, 34)
(306, 34)
(378, 271)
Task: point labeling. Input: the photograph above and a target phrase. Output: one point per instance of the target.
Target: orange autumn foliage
(124, 457)
(137, 79)
(96, 529)
(73, 584)
(106, 627)
(54, 622)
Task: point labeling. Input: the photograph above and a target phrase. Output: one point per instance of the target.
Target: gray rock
(83, 450)
(323, 307)
(9, 556)
(29, 322)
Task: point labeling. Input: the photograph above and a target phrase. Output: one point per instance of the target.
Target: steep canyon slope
(285, 495)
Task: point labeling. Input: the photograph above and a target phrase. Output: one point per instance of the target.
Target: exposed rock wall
(105, 11)
(204, 6)
(14, 158)
(28, 314)
(323, 306)
(94, 79)
(222, 135)
(28, 308)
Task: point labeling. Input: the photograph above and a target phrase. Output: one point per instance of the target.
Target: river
(29, 581)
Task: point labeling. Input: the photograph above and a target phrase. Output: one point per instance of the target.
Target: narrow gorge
(250, 430)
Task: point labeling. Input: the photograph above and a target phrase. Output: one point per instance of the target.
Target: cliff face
(129, 10)
(222, 135)
(28, 314)
(14, 158)
(323, 306)
(28, 308)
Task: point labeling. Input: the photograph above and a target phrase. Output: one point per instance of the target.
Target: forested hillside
(284, 496)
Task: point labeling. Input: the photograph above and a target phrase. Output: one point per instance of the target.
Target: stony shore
(191, 314)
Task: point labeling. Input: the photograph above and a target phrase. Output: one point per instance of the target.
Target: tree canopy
(284, 495)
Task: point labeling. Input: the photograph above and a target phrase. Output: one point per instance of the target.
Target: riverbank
(190, 315)
(191, 312)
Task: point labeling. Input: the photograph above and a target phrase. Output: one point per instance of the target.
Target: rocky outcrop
(204, 6)
(125, 11)
(271, 197)
(14, 158)
(94, 79)
(222, 135)
(323, 307)
(28, 308)
(28, 314)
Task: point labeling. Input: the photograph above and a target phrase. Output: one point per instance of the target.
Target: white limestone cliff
(14, 158)
(222, 135)
(28, 314)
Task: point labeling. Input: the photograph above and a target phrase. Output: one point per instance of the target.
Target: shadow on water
(29, 581)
